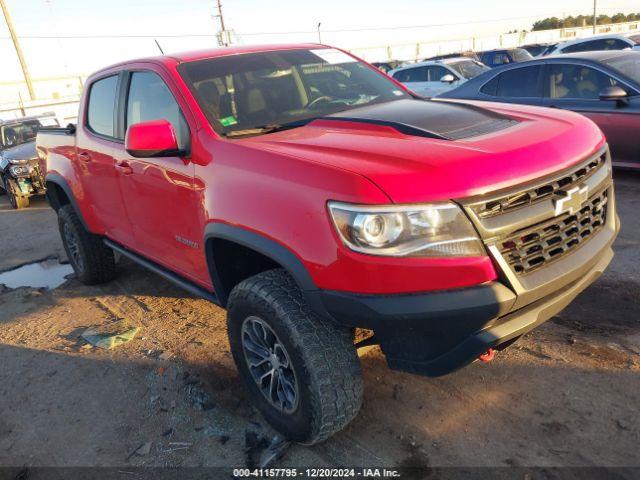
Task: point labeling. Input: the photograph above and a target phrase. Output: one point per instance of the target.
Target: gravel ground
(567, 394)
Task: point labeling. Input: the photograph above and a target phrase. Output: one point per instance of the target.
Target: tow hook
(487, 356)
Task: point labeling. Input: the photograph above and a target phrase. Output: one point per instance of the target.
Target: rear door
(96, 142)
(435, 85)
(159, 192)
(577, 87)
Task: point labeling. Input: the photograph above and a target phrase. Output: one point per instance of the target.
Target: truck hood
(418, 151)
(24, 151)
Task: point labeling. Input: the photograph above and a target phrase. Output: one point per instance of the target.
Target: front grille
(534, 247)
(540, 192)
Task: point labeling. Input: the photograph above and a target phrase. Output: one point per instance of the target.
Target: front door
(159, 193)
(577, 87)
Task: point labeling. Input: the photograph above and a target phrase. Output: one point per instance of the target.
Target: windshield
(17, 133)
(469, 68)
(520, 55)
(628, 65)
(256, 93)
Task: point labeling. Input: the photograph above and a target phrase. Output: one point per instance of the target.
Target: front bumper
(438, 332)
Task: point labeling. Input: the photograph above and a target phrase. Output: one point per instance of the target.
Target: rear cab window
(101, 106)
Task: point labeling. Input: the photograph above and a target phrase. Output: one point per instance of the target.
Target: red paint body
(279, 184)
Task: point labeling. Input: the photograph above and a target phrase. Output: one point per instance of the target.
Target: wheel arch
(225, 245)
(59, 194)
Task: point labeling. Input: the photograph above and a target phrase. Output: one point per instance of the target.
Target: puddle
(45, 274)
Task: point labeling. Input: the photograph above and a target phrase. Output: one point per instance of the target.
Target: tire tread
(329, 354)
(100, 265)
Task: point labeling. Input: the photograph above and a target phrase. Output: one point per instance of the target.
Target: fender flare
(263, 245)
(60, 181)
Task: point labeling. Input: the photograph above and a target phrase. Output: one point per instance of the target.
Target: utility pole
(224, 38)
(16, 44)
(319, 37)
(595, 16)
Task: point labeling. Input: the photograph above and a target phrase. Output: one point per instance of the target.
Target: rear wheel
(302, 372)
(92, 261)
(16, 198)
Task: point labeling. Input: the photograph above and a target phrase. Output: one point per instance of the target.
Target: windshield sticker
(333, 56)
(228, 121)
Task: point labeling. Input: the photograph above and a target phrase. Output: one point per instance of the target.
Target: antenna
(159, 47)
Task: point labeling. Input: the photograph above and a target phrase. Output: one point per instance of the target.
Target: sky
(372, 23)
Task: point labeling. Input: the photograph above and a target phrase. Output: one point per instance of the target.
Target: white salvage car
(434, 77)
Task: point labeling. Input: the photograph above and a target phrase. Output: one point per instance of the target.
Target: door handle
(84, 157)
(124, 168)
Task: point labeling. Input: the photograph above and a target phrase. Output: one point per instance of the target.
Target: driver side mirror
(616, 93)
(448, 78)
(155, 138)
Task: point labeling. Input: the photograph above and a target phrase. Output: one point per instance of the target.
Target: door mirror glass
(155, 138)
(613, 93)
(448, 78)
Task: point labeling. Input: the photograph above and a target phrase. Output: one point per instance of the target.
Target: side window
(519, 82)
(617, 44)
(434, 74)
(102, 97)
(577, 82)
(418, 74)
(578, 47)
(491, 86)
(501, 59)
(150, 99)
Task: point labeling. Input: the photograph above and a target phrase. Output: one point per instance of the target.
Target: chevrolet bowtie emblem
(572, 201)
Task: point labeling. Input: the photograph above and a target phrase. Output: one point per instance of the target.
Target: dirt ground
(567, 394)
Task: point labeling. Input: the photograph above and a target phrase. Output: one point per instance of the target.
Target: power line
(301, 32)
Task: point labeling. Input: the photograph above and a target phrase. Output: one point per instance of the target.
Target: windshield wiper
(271, 128)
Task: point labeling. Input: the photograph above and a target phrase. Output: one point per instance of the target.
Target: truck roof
(195, 55)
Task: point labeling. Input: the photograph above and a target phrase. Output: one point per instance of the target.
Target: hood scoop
(431, 119)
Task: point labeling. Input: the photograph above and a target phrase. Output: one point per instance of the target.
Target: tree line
(552, 23)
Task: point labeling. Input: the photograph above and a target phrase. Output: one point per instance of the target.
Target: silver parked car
(432, 78)
(591, 44)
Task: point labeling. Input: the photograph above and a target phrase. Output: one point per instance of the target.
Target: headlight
(430, 230)
(18, 170)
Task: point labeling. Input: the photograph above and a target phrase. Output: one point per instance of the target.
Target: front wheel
(16, 199)
(302, 372)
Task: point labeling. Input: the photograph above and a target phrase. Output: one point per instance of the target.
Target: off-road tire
(16, 200)
(92, 261)
(323, 356)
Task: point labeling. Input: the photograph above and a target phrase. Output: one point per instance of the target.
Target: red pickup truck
(311, 195)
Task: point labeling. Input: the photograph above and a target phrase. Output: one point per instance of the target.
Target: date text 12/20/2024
(316, 473)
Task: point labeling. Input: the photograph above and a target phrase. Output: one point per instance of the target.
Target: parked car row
(601, 82)
(431, 78)
(602, 85)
